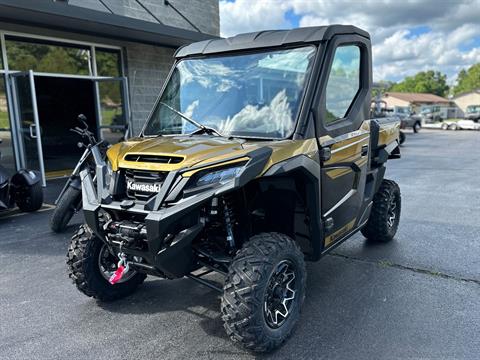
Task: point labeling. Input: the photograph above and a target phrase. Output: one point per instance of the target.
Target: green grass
(4, 124)
(108, 115)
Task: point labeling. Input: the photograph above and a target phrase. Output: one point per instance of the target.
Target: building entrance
(59, 102)
(46, 108)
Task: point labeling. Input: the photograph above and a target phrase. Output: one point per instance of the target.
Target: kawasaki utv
(258, 155)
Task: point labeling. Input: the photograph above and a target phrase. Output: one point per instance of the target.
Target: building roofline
(476, 91)
(64, 17)
(409, 97)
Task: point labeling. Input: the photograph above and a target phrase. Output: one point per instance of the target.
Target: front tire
(383, 222)
(67, 206)
(85, 257)
(264, 291)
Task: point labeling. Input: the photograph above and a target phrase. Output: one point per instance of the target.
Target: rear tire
(84, 269)
(67, 206)
(264, 291)
(383, 222)
(29, 197)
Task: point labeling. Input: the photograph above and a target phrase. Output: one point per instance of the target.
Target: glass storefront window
(7, 159)
(113, 119)
(108, 62)
(44, 56)
(1, 57)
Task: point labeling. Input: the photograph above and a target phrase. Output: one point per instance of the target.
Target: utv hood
(170, 153)
(173, 153)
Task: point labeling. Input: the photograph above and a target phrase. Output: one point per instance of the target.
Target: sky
(407, 36)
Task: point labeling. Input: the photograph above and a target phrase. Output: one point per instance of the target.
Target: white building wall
(468, 99)
(392, 102)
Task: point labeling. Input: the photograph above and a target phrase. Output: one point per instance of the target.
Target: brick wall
(148, 66)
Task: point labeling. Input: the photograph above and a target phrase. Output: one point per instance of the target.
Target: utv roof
(270, 38)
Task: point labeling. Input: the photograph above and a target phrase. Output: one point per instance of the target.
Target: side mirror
(83, 119)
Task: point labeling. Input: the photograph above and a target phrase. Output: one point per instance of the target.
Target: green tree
(432, 82)
(381, 87)
(468, 80)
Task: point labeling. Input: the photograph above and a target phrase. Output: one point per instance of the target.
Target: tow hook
(122, 269)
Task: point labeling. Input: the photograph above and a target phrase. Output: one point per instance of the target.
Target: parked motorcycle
(23, 189)
(69, 201)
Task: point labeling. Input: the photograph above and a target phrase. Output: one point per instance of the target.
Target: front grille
(157, 159)
(143, 177)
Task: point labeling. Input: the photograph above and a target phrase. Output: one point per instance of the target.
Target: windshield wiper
(203, 128)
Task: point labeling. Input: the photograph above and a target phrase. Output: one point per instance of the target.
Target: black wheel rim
(108, 264)
(280, 294)
(392, 211)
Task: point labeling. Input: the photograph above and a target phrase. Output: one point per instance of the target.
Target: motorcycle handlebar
(84, 133)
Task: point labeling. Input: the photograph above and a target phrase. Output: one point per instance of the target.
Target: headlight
(220, 177)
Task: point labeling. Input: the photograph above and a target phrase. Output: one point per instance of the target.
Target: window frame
(61, 40)
(359, 108)
(310, 74)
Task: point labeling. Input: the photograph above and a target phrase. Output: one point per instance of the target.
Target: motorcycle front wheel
(67, 206)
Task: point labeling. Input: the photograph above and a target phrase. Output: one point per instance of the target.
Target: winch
(127, 232)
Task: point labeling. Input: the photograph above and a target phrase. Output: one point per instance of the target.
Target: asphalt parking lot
(416, 297)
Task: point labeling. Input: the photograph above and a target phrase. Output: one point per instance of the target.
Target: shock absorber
(229, 217)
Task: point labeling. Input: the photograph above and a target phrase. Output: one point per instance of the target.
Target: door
(60, 100)
(7, 155)
(26, 118)
(344, 135)
(113, 111)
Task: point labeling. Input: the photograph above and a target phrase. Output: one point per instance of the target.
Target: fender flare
(26, 177)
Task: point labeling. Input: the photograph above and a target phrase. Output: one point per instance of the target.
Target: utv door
(344, 99)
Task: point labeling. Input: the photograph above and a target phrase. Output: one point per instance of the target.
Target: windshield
(255, 95)
(473, 108)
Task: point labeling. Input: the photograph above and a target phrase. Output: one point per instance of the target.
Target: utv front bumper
(170, 228)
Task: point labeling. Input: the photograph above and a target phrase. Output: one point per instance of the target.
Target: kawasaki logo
(152, 188)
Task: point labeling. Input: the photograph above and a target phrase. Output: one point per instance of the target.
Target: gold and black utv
(259, 155)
